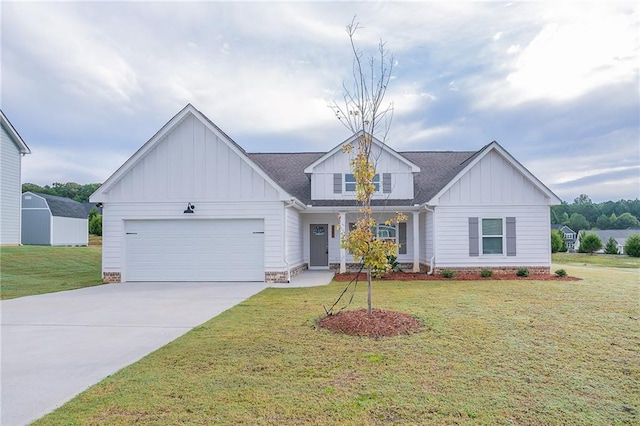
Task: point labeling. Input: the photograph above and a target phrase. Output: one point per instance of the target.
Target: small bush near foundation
(561, 273)
(447, 273)
(486, 273)
(522, 272)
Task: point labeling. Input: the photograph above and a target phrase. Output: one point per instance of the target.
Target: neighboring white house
(53, 221)
(619, 235)
(192, 205)
(12, 148)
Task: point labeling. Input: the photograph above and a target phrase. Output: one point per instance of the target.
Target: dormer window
(350, 182)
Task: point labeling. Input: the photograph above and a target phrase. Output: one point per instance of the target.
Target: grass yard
(609, 260)
(492, 352)
(29, 270)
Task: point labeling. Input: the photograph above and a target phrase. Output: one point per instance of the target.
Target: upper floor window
(350, 182)
(492, 236)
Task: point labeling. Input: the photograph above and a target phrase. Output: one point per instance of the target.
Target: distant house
(619, 235)
(53, 221)
(193, 205)
(12, 148)
(569, 235)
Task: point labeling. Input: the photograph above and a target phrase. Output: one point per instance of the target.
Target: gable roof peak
(14, 135)
(414, 168)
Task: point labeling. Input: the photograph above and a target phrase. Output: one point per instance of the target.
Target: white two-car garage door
(195, 250)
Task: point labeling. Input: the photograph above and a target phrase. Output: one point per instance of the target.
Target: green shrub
(632, 246)
(486, 273)
(590, 243)
(95, 225)
(447, 273)
(611, 247)
(522, 272)
(561, 273)
(557, 242)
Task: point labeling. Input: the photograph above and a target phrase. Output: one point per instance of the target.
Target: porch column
(343, 253)
(416, 241)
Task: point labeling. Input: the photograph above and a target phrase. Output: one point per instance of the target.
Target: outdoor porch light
(190, 208)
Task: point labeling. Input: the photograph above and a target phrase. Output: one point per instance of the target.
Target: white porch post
(343, 253)
(416, 241)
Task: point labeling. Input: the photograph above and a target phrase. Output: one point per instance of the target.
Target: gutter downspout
(432, 261)
(291, 203)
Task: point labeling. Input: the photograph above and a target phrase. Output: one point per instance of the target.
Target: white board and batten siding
(322, 178)
(493, 181)
(493, 188)
(10, 190)
(192, 164)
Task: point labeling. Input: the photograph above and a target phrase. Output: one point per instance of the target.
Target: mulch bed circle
(381, 323)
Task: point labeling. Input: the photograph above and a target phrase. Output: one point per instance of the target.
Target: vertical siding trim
(402, 237)
(474, 247)
(386, 183)
(337, 183)
(511, 236)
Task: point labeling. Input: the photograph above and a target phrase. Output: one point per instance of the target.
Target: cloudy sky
(555, 83)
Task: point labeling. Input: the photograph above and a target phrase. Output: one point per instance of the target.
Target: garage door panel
(195, 250)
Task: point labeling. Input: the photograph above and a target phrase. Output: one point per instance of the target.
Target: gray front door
(319, 245)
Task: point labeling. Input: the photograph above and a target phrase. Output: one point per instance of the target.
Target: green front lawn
(29, 270)
(610, 260)
(492, 352)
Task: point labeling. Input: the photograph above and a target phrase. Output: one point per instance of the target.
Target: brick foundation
(298, 270)
(496, 270)
(354, 267)
(111, 277)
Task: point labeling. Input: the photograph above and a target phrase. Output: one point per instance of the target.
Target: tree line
(585, 214)
(75, 191)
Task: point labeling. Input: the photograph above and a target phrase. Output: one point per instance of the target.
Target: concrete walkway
(56, 345)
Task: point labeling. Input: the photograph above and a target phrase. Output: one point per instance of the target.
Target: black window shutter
(511, 236)
(402, 237)
(337, 183)
(474, 246)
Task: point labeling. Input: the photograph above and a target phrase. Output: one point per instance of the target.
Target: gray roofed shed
(52, 220)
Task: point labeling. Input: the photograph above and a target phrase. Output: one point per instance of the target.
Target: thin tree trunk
(369, 308)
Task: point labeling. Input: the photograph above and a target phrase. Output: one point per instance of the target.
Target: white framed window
(350, 182)
(492, 236)
(386, 232)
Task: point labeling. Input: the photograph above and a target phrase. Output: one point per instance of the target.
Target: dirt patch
(412, 276)
(380, 324)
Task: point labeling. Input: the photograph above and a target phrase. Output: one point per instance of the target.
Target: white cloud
(45, 165)
(578, 47)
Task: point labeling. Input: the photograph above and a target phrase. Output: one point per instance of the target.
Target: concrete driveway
(55, 346)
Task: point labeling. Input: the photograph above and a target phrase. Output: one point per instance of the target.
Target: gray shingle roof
(436, 170)
(64, 207)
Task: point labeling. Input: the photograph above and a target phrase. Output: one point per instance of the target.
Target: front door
(319, 245)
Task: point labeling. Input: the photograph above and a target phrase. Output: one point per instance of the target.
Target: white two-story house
(193, 205)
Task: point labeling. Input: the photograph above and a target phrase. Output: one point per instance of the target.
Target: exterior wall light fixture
(190, 208)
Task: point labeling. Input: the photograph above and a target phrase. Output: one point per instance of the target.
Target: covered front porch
(322, 229)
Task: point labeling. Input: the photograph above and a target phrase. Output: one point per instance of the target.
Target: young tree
(590, 243)
(611, 247)
(365, 114)
(632, 246)
(557, 242)
(578, 222)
